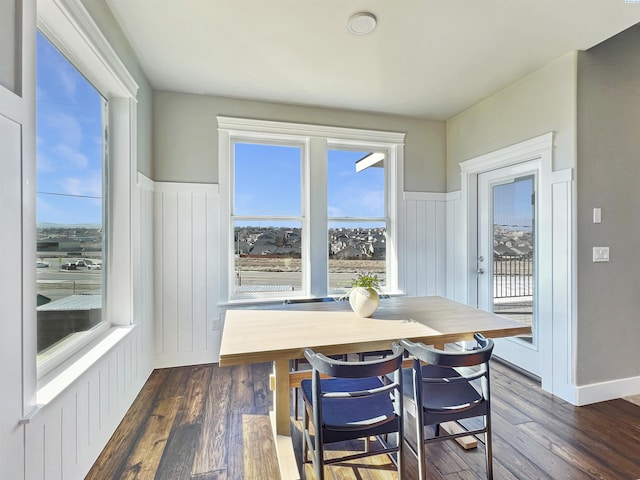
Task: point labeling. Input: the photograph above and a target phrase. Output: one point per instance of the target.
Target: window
(70, 166)
(308, 208)
(267, 219)
(82, 223)
(357, 216)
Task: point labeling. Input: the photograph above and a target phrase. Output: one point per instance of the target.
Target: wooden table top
(284, 331)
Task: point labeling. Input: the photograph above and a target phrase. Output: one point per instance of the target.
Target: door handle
(480, 271)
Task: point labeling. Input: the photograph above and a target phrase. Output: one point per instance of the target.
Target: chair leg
(420, 446)
(319, 454)
(305, 429)
(488, 446)
(293, 366)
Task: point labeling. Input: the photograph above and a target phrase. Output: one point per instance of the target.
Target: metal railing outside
(512, 276)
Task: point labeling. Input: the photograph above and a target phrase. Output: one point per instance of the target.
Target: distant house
(350, 253)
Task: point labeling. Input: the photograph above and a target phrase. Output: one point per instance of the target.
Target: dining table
(281, 333)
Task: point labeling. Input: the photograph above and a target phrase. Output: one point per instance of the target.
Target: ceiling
(426, 58)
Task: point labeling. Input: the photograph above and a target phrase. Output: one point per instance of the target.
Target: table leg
(281, 421)
(281, 397)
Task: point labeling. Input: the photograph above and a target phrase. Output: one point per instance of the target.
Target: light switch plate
(600, 254)
(597, 215)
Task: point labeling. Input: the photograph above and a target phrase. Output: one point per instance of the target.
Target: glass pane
(70, 152)
(267, 180)
(513, 250)
(267, 258)
(356, 248)
(355, 184)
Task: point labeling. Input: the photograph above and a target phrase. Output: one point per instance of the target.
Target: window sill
(235, 302)
(62, 379)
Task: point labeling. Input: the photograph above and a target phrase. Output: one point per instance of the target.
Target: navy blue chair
(452, 386)
(354, 404)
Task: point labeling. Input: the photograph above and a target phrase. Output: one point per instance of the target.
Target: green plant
(366, 280)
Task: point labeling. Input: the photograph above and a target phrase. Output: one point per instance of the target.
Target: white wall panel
(563, 372)
(66, 435)
(424, 244)
(186, 286)
(456, 240)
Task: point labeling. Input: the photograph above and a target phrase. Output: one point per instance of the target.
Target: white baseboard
(183, 359)
(600, 392)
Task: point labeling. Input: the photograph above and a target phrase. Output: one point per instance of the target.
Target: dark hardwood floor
(206, 423)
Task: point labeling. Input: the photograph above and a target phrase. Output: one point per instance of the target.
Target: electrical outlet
(600, 254)
(215, 323)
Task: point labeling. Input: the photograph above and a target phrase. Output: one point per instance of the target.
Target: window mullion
(316, 216)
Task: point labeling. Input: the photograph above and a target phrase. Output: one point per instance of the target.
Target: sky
(69, 142)
(512, 203)
(268, 183)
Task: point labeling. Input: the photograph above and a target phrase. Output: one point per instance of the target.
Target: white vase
(364, 301)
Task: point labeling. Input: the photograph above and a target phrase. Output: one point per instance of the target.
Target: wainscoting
(424, 242)
(65, 437)
(186, 249)
(67, 433)
(186, 245)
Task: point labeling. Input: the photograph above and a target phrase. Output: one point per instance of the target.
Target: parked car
(83, 262)
(94, 266)
(68, 266)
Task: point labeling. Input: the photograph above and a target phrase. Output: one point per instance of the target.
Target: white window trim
(68, 25)
(319, 139)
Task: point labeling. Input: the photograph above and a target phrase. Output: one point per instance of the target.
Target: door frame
(539, 148)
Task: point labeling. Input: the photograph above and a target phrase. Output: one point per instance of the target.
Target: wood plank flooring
(210, 423)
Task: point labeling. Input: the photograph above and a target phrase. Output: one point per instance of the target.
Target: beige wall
(103, 17)
(539, 103)
(186, 138)
(608, 174)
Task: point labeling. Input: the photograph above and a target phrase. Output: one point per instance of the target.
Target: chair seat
(443, 402)
(356, 413)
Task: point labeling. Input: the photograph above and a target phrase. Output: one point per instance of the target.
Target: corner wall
(608, 172)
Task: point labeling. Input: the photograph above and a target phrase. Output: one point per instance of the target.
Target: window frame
(319, 140)
(70, 29)
(391, 266)
(275, 140)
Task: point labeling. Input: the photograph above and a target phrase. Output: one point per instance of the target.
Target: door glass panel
(514, 251)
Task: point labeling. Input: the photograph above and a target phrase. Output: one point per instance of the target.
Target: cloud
(70, 158)
(45, 165)
(373, 202)
(69, 82)
(90, 185)
(65, 128)
(335, 212)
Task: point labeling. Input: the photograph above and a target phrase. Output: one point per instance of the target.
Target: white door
(507, 257)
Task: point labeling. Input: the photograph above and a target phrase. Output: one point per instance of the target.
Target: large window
(86, 119)
(307, 208)
(357, 216)
(267, 219)
(71, 162)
